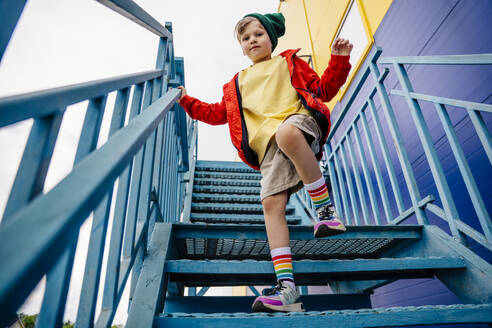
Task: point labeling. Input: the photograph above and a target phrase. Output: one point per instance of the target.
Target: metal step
(226, 182)
(212, 304)
(227, 175)
(225, 198)
(394, 316)
(232, 208)
(227, 190)
(307, 272)
(236, 218)
(239, 242)
(222, 166)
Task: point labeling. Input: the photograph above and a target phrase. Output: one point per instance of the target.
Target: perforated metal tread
(226, 190)
(237, 218)
(225, 198)
(227, 175)
(307, 272)
(232, 208)
(239, 242)
(227, 182)
(394, 316)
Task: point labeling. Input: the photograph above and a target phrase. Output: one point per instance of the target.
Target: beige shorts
(278, 172)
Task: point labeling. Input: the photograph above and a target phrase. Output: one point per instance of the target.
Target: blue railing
(351, 163)
(190, 175)
(145, 158)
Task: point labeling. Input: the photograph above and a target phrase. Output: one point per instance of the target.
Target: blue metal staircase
(181, 223)
(228, 192)
(226, 251)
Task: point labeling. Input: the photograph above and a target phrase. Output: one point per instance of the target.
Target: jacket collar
(288, 53)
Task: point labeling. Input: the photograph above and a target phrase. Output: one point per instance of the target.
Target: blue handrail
(341, 171)
(146, 156)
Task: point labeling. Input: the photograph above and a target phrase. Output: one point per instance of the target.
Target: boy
(279, 123)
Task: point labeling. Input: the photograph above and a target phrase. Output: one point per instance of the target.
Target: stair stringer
(367, 286)
(148, 299)
(173, 288)
(471, 285)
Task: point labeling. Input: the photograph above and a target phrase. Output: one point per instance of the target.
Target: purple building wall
(423, 28)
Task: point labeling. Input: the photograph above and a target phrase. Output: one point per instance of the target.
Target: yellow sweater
(268, 98)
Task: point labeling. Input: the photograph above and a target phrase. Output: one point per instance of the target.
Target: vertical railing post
(97, 239)
(139, 98)
(367, 175)
(161, 141)
(173, 169)
(386, 156)
(58, 278)
(33, 168)
(482, 131)
(399, 145)
(348, 178)
(434, 163)
(355, 169)
(471, 185)
(165, 172)
(144, 197)
(164, 188)
(376, 166)
(188, 191)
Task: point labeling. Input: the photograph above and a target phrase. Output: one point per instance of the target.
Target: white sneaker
(282, 298)
(329, 224)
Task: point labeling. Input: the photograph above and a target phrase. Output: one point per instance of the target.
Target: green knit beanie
(274, 24)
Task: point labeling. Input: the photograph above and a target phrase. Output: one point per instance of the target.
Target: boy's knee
(274, 203)
(287, 135)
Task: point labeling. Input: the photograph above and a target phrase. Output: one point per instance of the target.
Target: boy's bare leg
(292, 142)
(284, 297)
(294, 145)
(275, 222)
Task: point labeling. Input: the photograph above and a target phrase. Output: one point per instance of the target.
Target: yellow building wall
(312, 25)
(296, 29)
(323, 18)
(375, 11)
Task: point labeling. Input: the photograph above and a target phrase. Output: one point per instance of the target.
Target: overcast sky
(61, 42)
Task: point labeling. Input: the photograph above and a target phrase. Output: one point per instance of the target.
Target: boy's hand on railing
(183, 92)
(341, 47)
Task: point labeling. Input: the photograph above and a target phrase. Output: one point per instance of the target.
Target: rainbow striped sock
(282, 263)
(318, 192)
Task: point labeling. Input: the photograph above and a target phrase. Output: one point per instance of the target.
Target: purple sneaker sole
(328, 228)
(263, 305)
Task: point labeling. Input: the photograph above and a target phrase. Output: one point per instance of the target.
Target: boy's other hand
(341, 47)
(183, 92)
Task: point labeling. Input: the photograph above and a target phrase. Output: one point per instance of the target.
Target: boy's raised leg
(294, 145)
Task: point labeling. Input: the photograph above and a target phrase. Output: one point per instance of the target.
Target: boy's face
(255, 42)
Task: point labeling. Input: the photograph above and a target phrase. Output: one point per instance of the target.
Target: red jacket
(312, 91)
